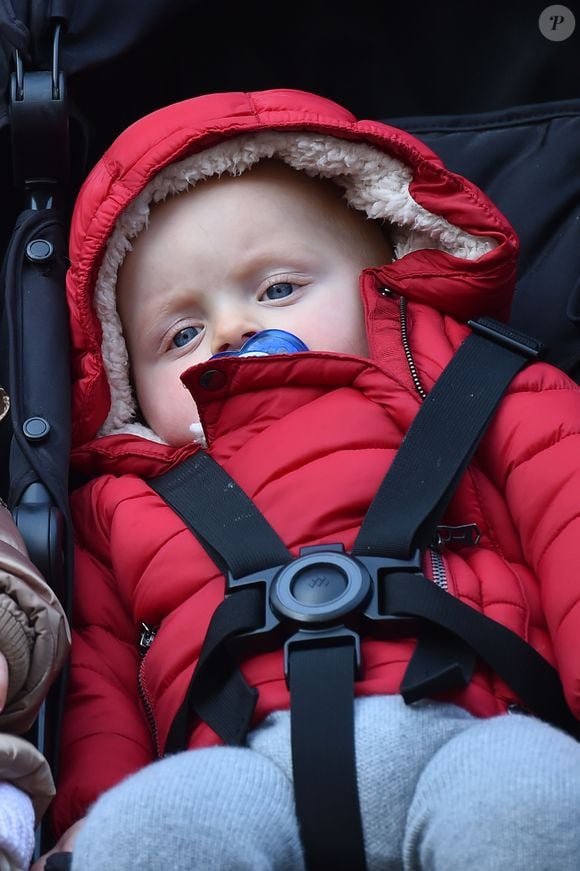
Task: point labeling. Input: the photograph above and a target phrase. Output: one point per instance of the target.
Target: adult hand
(3, 680)
(65, 844)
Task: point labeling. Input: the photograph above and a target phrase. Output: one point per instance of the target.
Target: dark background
(124, 58)
(379, 59)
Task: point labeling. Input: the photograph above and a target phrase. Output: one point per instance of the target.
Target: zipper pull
(466, 534)
(146, 638)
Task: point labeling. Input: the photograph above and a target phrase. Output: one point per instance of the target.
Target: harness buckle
(326, 597)
(377, 612)
(320, 587)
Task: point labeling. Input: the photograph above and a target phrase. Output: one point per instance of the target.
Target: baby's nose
(234, 345)
(231, 333)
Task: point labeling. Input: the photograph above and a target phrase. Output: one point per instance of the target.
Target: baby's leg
(394, 743)
(503, 794)
(218, 808)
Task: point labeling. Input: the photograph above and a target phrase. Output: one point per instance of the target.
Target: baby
(203, 225)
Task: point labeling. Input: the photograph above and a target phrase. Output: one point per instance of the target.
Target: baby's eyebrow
(168, 303)
(159, 314)
(277, 254)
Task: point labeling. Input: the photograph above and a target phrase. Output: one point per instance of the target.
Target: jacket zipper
(466, 534)
(407, 348)
(146, 638)
(438, 568)
(145, 641)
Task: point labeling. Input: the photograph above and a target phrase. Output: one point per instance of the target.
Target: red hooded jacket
(311, 453)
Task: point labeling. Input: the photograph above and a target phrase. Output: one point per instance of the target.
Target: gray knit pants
(440, 790)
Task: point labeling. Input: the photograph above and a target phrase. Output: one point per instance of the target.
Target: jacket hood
(454, 250)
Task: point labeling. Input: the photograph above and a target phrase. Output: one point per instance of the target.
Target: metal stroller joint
(39, 123)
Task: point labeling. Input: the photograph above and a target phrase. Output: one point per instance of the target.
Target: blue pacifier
(267, 342)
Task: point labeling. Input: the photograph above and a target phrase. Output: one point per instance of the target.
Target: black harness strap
(323, 757)
(528, 674)
(321, 663)
(433, 456)
(218, 693)
(439, 445)
(226, 521)
(240, 541)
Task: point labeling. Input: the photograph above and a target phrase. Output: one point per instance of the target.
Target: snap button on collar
(212, 379)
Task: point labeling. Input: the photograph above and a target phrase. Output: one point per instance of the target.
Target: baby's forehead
(270, 209)
(272, 171)
(268, 183)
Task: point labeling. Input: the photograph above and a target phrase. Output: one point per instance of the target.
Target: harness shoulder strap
(241, 542)
(442, 439)
(221, 516)
(421, 481)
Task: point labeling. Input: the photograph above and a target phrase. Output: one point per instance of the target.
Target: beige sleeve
(22, 765)
(34, 633)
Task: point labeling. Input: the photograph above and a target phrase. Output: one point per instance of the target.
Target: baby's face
(271, 249)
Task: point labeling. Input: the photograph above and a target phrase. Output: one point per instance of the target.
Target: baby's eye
(185, 336)
(280, 290)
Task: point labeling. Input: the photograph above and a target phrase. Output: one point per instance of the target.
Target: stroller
(48, 86)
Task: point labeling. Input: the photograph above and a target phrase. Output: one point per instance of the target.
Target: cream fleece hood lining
(374, 183)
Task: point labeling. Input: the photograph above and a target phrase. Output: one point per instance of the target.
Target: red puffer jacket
(309, 437)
